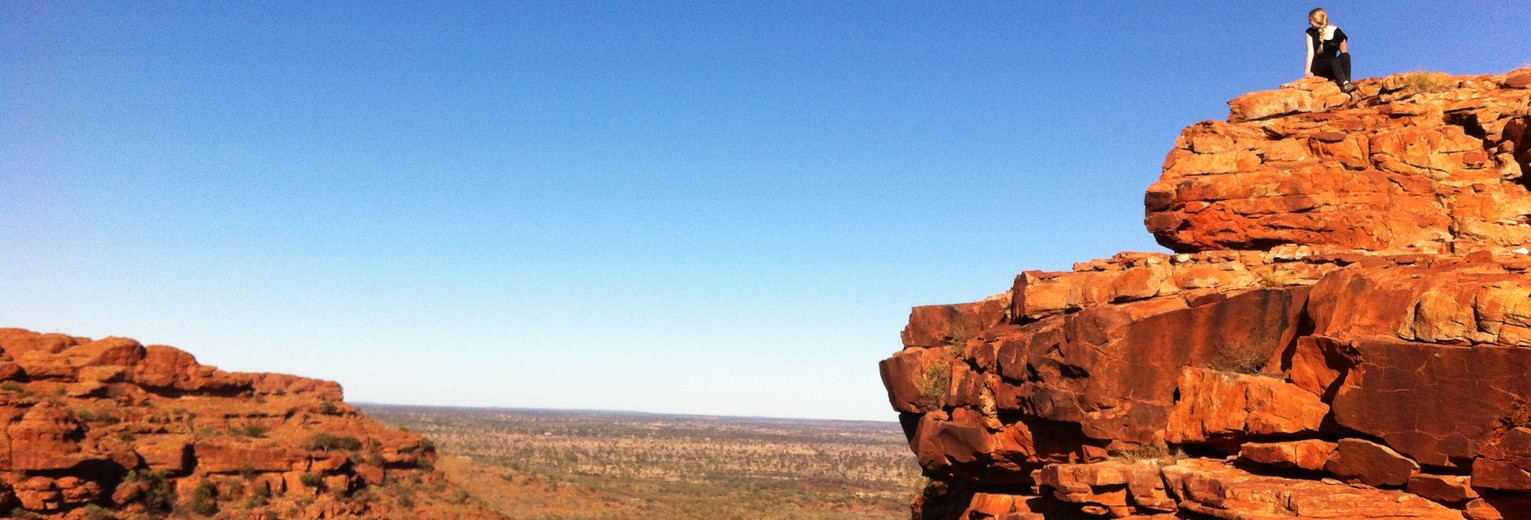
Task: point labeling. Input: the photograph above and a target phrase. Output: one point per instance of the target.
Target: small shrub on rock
(935, 382)
(254, 430)
(157, 495)
(1424, 82)
(325, 442)
(1519, 415)
(204, 499)
(96, 512)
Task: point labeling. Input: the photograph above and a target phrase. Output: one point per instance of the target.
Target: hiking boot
(1348, 87)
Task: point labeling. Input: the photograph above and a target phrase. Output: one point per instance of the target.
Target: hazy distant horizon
(628, 413)
(704, 208)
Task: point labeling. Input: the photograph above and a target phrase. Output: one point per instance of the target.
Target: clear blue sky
(709, 207)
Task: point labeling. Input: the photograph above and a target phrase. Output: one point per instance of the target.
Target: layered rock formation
(111, 428)
(1342, 331)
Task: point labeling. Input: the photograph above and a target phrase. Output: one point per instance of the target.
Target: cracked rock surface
(1343, 329)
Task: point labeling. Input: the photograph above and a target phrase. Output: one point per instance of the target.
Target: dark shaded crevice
(100, 471)
(1469, 123)
(189, 459)
(1305, 328)
(1266, 470)
(910, 423)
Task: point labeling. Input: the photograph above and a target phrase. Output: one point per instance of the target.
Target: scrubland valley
(610, 465)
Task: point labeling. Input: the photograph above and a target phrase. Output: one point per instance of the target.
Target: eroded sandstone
(1344, 329)
(114, 427)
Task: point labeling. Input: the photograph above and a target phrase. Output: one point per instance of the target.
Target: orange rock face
(1415, 163)
(1345, 330)
(144, 431)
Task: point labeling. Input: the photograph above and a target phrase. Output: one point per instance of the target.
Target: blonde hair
(1318, 14)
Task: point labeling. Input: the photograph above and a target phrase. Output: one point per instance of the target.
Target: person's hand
(1307, 75)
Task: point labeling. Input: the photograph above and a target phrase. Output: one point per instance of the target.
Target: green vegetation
(96, 512)
(959, 347)
(934, 383)
(311, 479)
(87, 415)
(259, 498)
(958, 337)
(204, 499)
(326, 442)
(251, 430)
(22, 514)
(158, 495)
(585, 466)
(1519, 415)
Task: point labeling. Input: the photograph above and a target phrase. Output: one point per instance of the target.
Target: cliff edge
(111, 428)
(1343, 329)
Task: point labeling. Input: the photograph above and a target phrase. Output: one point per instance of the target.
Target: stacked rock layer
(1344, 329)
(111, 428)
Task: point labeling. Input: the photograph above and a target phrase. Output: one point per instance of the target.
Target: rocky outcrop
(1415, 162)
(112, 427)
(1343, 328)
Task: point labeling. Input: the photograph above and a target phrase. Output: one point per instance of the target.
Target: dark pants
(1336, 68)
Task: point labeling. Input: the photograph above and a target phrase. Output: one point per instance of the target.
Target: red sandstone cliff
(1344, 331)
(111, 428)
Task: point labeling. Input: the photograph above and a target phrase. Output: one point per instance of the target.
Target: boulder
(46, 438)
(1446, 489)
(223, 455)
(1505, 460)
(39, 494)
(1217, 404)
(1310, 454)
(942, 325)
(16, 341)
(1437, 404)
(1370, 463)
(168, 369)
(112, 351)
(1219, 490)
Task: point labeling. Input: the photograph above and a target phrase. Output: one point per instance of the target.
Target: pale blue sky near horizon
(719, 208)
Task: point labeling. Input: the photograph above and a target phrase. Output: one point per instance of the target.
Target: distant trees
(325, 442)
(683, 467)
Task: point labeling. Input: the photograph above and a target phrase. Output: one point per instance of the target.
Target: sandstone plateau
(110, 428)
(1342, 331)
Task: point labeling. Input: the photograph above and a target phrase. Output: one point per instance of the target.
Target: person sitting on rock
(1328, 51)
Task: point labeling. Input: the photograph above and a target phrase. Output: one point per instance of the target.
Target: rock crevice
(110, 426)
(1344, 328)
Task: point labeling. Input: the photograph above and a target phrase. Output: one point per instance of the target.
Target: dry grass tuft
(1425, 82)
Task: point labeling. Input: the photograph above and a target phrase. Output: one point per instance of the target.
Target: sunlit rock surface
(1342, 330)
(111, 427)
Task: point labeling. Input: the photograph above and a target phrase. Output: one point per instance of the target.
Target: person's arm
(1345, 46)
(1307, 66)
